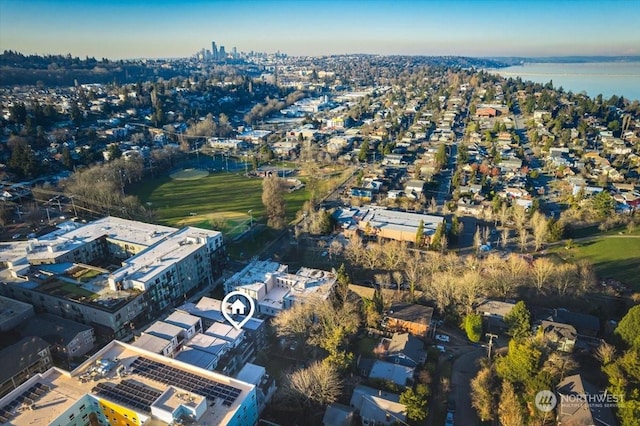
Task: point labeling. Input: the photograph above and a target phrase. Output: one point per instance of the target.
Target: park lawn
(219, 201)
(613, 257)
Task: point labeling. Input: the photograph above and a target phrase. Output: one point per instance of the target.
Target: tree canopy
(629, 327)
(519, 321)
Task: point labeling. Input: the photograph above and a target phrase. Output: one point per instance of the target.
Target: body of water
(606, 78)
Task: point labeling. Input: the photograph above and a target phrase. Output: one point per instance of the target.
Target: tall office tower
(214, 50)
(234, 52)
(222, 54)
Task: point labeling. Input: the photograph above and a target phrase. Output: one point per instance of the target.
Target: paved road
(465, 368)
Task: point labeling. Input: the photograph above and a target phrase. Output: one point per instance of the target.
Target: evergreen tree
(420, 234)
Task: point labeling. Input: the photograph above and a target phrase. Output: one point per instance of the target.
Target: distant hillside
(517, 60)
(58, 70)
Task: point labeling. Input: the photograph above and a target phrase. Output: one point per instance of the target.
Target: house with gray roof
(68, 339)
(581, 403)
(405, 349)
(377, 407)
(29, 356)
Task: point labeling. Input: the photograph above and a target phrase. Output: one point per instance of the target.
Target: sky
(122, 29)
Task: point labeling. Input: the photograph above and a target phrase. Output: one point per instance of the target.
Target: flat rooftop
(62, 241)
(164, 380)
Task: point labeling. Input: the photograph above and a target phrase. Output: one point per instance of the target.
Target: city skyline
(135, 29)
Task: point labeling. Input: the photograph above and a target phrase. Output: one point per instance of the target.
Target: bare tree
(559, 365)
(564, 278)
(413, 269)
(519, 215)
(273, 201)
(477, 240)
(523, 237)
(319, 383)
(585, 276)
(504, 237)
(539, 228)
(504, 214)
(542, 273)
(605, 353)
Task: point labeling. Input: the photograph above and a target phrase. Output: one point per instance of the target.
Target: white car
(442, 337)
(441, 348)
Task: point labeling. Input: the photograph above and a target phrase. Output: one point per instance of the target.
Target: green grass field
(612, 257)
(219, 201)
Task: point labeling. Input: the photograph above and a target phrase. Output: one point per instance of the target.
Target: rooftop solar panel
(190, 382)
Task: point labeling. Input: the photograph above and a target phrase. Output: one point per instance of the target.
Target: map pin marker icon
(237, 307)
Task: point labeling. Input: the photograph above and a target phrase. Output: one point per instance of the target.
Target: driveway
(465, 367)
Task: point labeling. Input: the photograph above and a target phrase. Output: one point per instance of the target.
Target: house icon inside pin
(238, 308)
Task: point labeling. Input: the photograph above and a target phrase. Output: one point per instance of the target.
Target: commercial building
(122, 384)
(375, 221)
(113, 273)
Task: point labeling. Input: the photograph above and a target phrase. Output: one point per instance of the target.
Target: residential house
(405, 349)
(210, 311)
(190, 324)
(401, 375)
(203, 351)
(362, 193)
(414, 188)
(154, 344)
(585, 324)
(338, 415)
(493, 312)
(409, 317)
(562, 336)
(581, 403)
(29, 356)
(377, 408)
(68, 339)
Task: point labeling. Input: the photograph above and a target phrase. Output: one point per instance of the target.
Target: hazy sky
(164, 28)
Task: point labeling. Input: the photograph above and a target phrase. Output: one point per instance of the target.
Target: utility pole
(75, 212)
(491, 337)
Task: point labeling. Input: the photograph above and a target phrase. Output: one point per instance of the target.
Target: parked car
(442, 337)
(441, 348)
(449, 421)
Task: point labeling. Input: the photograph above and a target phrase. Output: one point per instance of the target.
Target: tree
(416, 402)
(509, 409)
(519, 321)
(420, 233)
(438, 237)
(67, 161)
(603, 204)
(319, 383)
(273, 201)
(605, 353)
(472, 325)
(629, 327)
(482, 393)
(521, 362)
(540, 229)
(364, 151)
(541, 272)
